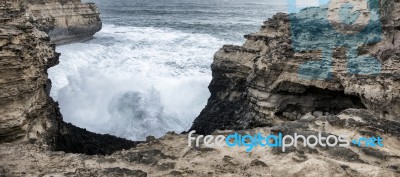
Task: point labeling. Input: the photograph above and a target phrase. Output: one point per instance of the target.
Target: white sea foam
(134, 82)
(138, 81)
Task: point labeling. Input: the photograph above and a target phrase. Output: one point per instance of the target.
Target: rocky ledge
(65, 21)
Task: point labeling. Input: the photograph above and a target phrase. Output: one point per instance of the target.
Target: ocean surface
(147, 71)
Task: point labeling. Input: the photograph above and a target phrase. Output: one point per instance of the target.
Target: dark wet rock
(77, 140)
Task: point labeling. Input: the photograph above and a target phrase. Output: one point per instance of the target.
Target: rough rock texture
(259, 83)
(27, 112)
(65, 20)
(254, 85)
(171, 156)
(25, 107)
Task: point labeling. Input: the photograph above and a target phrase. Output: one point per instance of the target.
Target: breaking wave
(133, 82)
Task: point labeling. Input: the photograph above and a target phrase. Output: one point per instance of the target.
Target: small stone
(257, 162)
(230, 160)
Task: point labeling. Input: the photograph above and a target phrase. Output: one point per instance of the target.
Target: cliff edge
(264, 82)
(256, 88)
(27, 112)
(65, 21)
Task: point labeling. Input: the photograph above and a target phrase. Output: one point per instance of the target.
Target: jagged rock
(260, 83)
(27, 111)
(253, 85)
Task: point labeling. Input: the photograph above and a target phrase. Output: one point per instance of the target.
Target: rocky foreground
(255, 88)
(171, 156)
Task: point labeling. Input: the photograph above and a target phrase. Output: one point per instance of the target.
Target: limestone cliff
(65, 20)
(25, 107)
(27, 112)
(259, 83)
(254, 85)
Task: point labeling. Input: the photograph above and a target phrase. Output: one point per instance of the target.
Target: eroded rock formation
(65, 20)
(254, 85)
(28, 113)
(259, 83)
(26, 110)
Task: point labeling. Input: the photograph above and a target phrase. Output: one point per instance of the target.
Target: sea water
(147, 71)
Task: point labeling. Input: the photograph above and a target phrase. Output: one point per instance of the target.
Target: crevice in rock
(319, 102)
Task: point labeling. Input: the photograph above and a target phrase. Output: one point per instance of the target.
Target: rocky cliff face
(254, 85)
(25, 57)
(28, 113)
(65, 20)
(260, 83)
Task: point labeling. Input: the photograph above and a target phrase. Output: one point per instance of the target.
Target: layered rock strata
(65, 21)
(26, 110)
(28, 113)
(254, 85)
(260, 83)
